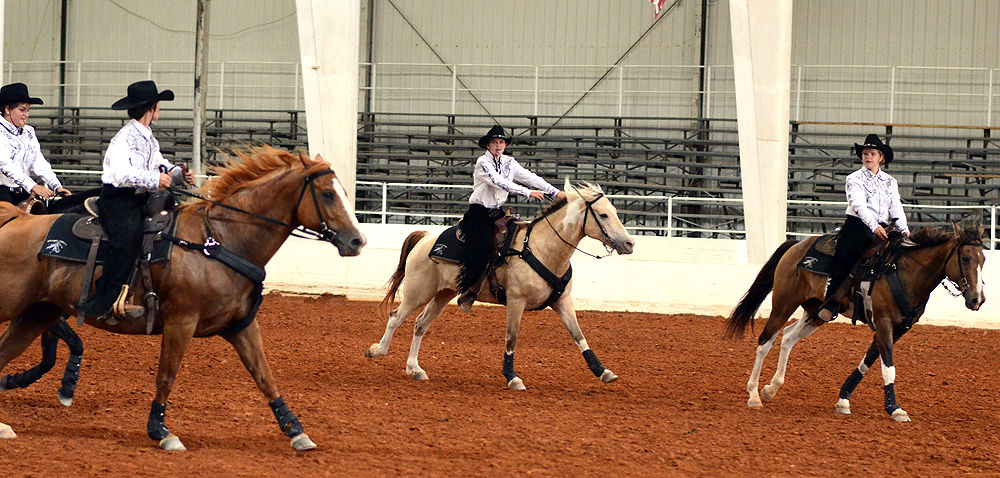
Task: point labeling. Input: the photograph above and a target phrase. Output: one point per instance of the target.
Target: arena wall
(664, 275)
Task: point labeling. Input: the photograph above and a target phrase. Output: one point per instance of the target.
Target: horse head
(967, 268)
(600, 218)
(323, 206)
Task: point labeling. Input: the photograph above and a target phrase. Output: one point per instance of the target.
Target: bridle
(587, 213)
(324, 233)
(963, 286)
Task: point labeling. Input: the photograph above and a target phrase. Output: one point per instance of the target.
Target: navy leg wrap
(155, 427)
(508, 367)
(30, 376)
(847, 389)
(70, 376)
(287, 421)
(890, 399)
(593, 363)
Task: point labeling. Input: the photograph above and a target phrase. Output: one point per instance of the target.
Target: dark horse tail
(744, 312)
(397, 277)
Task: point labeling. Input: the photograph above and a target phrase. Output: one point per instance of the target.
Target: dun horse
(249, 210)
(956, 255)
(553, 239)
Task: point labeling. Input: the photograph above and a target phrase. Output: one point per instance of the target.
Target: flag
(657, 5)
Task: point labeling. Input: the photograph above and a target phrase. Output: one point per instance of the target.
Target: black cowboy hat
(17, 93)
(142, 93)
(495, 132)
(872, 141)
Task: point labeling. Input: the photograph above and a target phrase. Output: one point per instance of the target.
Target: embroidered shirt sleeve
(158, 159)
(524, 176)
(858, 201)
(486, 165)
(896, 207)
(9, 165)
(40, 165)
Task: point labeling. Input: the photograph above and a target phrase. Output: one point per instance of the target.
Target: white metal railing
(879, 93)
(671, 202)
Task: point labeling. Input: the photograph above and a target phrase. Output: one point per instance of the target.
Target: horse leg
(843, 405)
(423, 322)
(801, 329)
(71, 375)
(515, 308)
(20, 333)
(564, 307)
(30, 376)
(396, 318)
(777, 319)
(250, 347)
(176, 337)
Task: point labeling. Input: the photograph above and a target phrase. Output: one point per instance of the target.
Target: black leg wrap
(593, 363)
(68, 335)
(30, 376)
(155, 427)
(508, 367)
(847, 389)
(70, 376)
(890, 399)
(287, 421)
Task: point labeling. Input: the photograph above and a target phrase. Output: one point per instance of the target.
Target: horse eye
(604, 216)
(965, 259)
(328, 195)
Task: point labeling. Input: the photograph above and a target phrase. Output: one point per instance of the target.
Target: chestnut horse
(937, 254)
(249, 209)
(560, 228)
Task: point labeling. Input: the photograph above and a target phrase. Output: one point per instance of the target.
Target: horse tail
(397, 277)
(745, 310)
(9, 212)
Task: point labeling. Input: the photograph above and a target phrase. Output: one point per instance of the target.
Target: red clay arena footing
(679, 407)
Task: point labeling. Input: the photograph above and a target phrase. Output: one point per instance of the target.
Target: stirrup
(123, 309)
(829, 310)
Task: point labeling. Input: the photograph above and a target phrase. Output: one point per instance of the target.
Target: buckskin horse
(552, 238)
(245, 213)
(936, 254)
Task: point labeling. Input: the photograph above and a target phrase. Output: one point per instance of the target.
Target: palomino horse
(938, 254)
(556, 233)
(249, 210)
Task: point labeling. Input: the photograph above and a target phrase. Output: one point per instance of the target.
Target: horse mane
(932, 236)
(581, 188)
(246, 167)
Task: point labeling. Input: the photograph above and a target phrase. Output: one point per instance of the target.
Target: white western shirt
(493, 181)
(133, 159)
(874, 198)
(20, 154)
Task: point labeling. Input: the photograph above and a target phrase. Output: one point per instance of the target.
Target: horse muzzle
(974, 301)
(623, 247)
(348, 245)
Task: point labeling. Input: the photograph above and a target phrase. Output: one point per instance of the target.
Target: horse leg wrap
(890, 399)
(593, 363)
(155, 427)
(508, 367)
(847, 389)
(289, 424)
(71, 376)
(30, 376)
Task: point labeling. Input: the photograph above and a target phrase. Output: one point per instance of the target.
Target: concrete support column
(329, 34)
(762, 53)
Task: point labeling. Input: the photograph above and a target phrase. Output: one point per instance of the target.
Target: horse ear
(958, 228)
(567, 186)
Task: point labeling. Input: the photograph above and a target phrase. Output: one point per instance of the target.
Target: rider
(133, 166)
(20, 153)
(492, 181)
(873, 201)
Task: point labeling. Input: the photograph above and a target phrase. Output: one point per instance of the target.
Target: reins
(586, 214)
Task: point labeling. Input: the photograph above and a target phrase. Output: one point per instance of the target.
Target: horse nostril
(357, 242)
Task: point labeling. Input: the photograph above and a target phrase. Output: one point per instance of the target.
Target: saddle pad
(827, 243)
(448, 247)
(816, 261)
(60, 243)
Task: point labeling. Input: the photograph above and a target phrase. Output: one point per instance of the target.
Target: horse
(240, 220)
(554, 237)
(935, 254)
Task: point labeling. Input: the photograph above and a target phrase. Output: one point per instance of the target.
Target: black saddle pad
(448, 247)
(60, 243)
(816, 261)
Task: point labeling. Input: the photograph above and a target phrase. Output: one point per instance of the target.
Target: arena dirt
(679, 408)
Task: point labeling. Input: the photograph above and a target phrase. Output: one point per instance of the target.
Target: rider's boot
(829, 310)
(123, 309)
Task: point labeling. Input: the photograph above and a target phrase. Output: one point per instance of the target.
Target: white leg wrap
(888, 375)
(862, 367)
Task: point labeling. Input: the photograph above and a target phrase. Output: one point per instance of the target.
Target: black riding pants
(121, 218)
(477, 229)
(13, 195)
(855, 239)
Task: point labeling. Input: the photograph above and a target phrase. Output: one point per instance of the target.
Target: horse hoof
(843, 406)
(6, 431)
(900, 416)
(768, 393)
(65, 401)
(516, 384)
(372, 352)
(754, 403)
(301, 442)
(419, 375)
(608, 376)
(172, 443)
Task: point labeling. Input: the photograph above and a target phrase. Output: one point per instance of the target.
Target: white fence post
(670, 216)
(993, 227)
(454, 86)
(385, 201)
